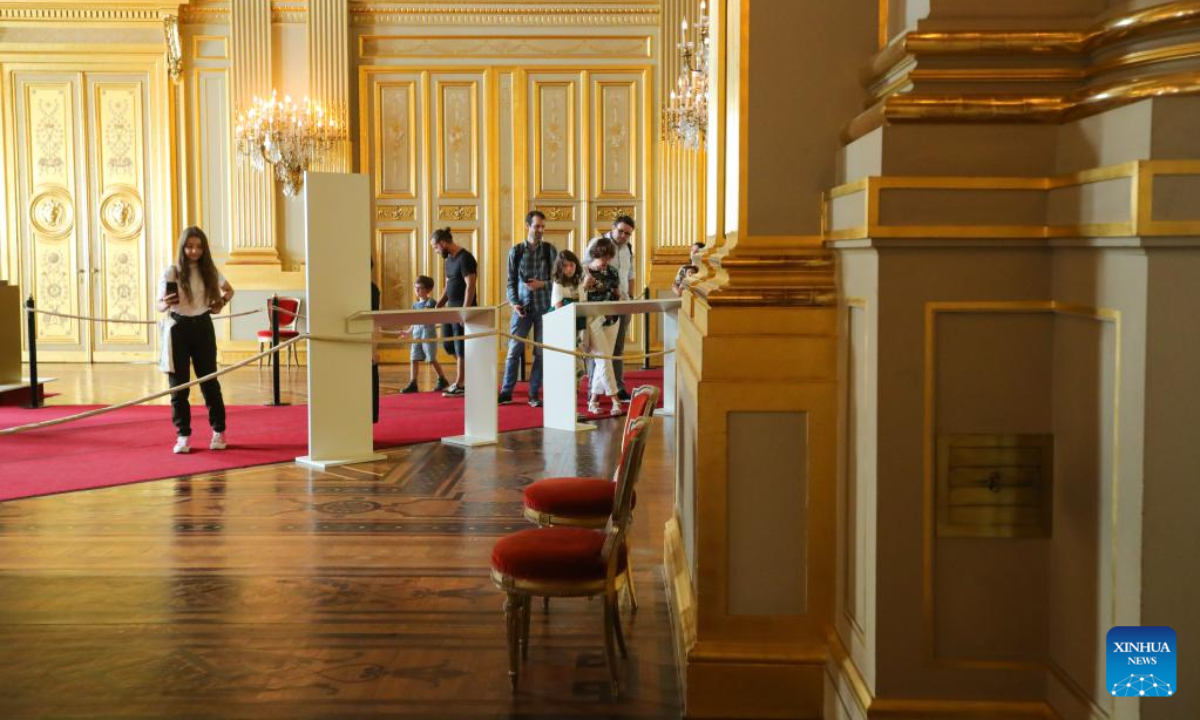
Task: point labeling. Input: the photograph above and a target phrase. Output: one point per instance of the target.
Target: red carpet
(134, 444)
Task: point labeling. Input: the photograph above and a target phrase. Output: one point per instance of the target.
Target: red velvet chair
(289, 309)
(572, 562)
(585, 501)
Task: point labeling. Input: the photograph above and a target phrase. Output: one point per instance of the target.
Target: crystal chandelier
(685, 118)
(288, 135)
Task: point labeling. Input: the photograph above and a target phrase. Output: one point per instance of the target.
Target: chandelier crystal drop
(290, 136)
(685, 119)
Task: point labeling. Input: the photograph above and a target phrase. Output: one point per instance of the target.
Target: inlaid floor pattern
(285, 592)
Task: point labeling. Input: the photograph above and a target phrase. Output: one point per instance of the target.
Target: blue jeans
(520, 327)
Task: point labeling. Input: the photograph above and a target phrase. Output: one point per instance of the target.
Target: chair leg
(610, 650)
(526, 611)
(512, 617)
(629, 589)
(617, 631)
(264, 357)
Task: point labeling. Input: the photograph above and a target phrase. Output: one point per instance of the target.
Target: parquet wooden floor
(285, 592)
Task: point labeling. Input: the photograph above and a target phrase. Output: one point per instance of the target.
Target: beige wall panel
(768, 513)
(1111, 138)
(210, 47)
(1175, 198)
(509, 47)
(962, 207)
(993, 376)
(1110, 201)
(211, 157)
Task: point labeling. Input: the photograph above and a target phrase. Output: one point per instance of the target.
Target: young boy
(420, 351)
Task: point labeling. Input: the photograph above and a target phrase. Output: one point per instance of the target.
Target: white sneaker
(181, 446)
(217, 442)
(616, 408)
(594, 407)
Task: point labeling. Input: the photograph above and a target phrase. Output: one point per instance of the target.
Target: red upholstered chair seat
(283, 334)
(553, 554)
(573, 496)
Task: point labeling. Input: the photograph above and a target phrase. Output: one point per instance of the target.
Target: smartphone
(172, 287)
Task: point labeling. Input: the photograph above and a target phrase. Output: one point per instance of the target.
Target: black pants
(193, 340)
(374, 393)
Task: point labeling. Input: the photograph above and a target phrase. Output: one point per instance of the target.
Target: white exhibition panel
(480, 414)
(558, 369)
(337, 227)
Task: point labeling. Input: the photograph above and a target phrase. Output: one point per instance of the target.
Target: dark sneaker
(535, 402)
(623, 396)
(504, 398)
(410, 388)
(455, 390)
(441, 385)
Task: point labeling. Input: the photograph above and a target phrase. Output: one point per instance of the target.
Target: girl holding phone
(190, 290)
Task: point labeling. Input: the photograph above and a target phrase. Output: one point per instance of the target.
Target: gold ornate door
(80, 182)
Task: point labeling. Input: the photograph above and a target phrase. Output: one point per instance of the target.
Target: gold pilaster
(253, 241)
(329, 68)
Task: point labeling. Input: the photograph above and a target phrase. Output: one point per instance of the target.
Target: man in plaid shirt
(529, 268)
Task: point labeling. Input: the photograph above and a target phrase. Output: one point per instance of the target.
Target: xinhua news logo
(1141, 662)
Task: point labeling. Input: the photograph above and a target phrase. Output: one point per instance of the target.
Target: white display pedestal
(337, 227)
(480, 414)
(558, 369)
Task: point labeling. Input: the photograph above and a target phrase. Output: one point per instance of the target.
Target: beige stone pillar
(329, 69)
(750, 551)
(1017, 243)
(253, 241)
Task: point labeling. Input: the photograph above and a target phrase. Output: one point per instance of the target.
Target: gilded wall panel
(616, 126)
(395, 267)
(395, 139)
(49, 145)
(554, 139)
(458, 138)
(119, 269)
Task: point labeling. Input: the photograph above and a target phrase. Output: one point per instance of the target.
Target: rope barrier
(136, 322)
(317, 338)
(154, 396)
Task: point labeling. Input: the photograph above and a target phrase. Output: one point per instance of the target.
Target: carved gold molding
(902, 91)
(557, 213)
(637, 47)
(608, 213)
(395, 212)
(174, 47)
(457, 212)
(503, 14)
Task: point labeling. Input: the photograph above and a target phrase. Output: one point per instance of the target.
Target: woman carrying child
(603, 284)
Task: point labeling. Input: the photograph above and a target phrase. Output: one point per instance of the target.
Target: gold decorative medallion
(121, 213)
(52, 213)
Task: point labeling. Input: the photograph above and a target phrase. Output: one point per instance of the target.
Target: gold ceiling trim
(529, 13)
(80, 15)
(506, 14)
